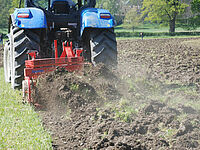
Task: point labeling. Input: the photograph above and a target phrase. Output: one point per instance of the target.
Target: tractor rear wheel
(7, 60)
(22, 40)
(103, 47)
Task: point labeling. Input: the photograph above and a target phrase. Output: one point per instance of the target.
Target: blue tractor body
(92, 18)
(36, 18)
(42, 22)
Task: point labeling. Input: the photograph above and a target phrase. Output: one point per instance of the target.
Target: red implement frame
(70, 59)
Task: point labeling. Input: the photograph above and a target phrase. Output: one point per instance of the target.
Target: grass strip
(158, 34)
(156, 37)
(20, 125)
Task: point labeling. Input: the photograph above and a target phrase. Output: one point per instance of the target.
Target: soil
(150, 102)
(166, 59)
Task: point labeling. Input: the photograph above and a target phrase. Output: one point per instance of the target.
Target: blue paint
(90, 18)
(37, 71)
(36, 18)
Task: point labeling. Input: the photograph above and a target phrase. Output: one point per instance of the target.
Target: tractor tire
(103, 47)
(22, 40)
(7, 62)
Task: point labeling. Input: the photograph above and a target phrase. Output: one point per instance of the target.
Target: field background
(156, 103)
(21, 127)
(153, 31)
(149, 31)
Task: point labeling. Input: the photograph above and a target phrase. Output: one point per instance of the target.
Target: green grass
(20, 126)
(156, 37)
(152, 31)
(152, 28)
(122, 110)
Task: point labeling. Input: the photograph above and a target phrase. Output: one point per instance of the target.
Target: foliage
(136, 2)
(20, 126)
(15, 4)
(122, 10)
(194, 21)
(5, 5)
(168, 133)
(163, 11)
(111, 5)
(41, 3)
(132, 18)
(118, 8)
(195, 5)
(191, 22)
(6, 8)
(74, 87)
(123, 110)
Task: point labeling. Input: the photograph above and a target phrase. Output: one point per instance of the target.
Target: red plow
(70, 59)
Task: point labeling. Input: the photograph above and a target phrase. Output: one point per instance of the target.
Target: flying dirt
(150, 102)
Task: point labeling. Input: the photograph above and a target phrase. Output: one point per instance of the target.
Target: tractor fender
(29, 18)
(92, 18)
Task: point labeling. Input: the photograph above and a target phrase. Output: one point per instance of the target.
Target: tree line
(174, 13)
(5, 6)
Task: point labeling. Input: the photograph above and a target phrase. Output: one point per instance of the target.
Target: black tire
(103, 47)
(22, 40)
(7, 62)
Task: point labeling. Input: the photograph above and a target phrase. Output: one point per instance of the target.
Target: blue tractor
(40, 22)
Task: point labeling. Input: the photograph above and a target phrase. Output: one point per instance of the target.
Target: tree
(112, 5)
(41, 3)
(195, 5)
(164, 11)
(192, 22)
(132, 18)
(4, 14)
(135, 2)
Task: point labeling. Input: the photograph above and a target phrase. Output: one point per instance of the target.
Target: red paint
(23, 15)
(69, 60)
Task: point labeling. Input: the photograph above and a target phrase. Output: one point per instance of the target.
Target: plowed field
(151, 101)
